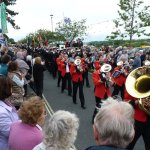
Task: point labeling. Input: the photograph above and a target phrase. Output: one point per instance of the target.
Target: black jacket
(104, 148)
(38, 70)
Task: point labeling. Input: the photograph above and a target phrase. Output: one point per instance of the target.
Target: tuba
(138, 86)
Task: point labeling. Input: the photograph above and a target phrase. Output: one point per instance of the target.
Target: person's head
(113, 124)
(12, 66)
(4, 49)
(5, 87)
(65, 56)
(137, 54)
(32, 111)
(61, 130)
(29, 58)
(38, 60)
(6, 59)
(20, 55)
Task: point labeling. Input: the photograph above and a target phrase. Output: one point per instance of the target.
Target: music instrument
(138, 86)
(106, 68)
(117, 73)
(147, 63)
(105, 77)
(77, 62)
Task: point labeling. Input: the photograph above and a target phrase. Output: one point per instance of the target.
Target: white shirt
(67, 68)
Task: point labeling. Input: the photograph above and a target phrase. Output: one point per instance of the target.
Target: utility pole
(52, 21)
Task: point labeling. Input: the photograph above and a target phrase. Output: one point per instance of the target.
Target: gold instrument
(106, 68)
(77, 62)
(138, 86)
(105, 72)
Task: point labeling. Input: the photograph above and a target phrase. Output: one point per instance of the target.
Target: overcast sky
(35, 14)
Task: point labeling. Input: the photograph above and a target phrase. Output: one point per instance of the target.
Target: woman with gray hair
(113, 126)
(60, 132)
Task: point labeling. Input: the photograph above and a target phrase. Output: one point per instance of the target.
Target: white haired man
(113, 126)
(60, 132)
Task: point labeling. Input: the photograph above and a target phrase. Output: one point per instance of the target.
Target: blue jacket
(3, 69)
(104, 148)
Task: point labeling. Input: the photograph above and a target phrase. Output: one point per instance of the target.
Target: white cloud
(35, 14)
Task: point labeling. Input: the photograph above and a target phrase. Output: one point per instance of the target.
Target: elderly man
(113, 126)
(137, 61)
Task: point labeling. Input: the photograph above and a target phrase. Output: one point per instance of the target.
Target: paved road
(58, 101)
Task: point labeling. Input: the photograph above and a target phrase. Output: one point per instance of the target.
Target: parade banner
(3, 18)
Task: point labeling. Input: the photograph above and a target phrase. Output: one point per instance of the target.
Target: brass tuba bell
(138, 86)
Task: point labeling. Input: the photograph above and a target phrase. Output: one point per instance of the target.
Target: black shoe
(88, 86)
(69, 94)
(75, 102)
(83, 107)
(58, 85)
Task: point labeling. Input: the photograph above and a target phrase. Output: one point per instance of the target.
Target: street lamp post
(52, 21)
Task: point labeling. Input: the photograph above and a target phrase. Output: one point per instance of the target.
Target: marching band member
(77, 79)
(102, 90)
(85, 62)
(140, 102)
(97, 64)
(119, 76)
(66, 76)
(59, 61)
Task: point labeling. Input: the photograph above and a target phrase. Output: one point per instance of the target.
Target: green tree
(10, 13)
(71, 29)
(133, 19)
(11, 41)
(42, 35)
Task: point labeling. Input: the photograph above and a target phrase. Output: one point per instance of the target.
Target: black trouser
(141, 129)
(54, 69)
(59, 78)
(66, 78)
(98, 105)
(118, 89)
(39, 87)
(85, 77)
(81, 95)
(25, 90)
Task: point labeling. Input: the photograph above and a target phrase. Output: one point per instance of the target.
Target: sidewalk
(30, 92)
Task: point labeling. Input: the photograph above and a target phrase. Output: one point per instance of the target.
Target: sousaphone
(138, 86)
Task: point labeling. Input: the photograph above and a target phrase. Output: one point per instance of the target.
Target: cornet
(105, 71)
(77, 62)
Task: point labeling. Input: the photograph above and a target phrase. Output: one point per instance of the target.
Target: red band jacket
(120, 80)
(100, 88)
(75, 75)
(58, 61)
(139, 114)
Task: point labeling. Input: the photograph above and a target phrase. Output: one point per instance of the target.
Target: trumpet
(138, 86)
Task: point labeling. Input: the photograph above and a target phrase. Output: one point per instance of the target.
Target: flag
(41, 41)
(28, 41)
(67, 20)
(33, 42)
(46, 41)
(3, 18)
